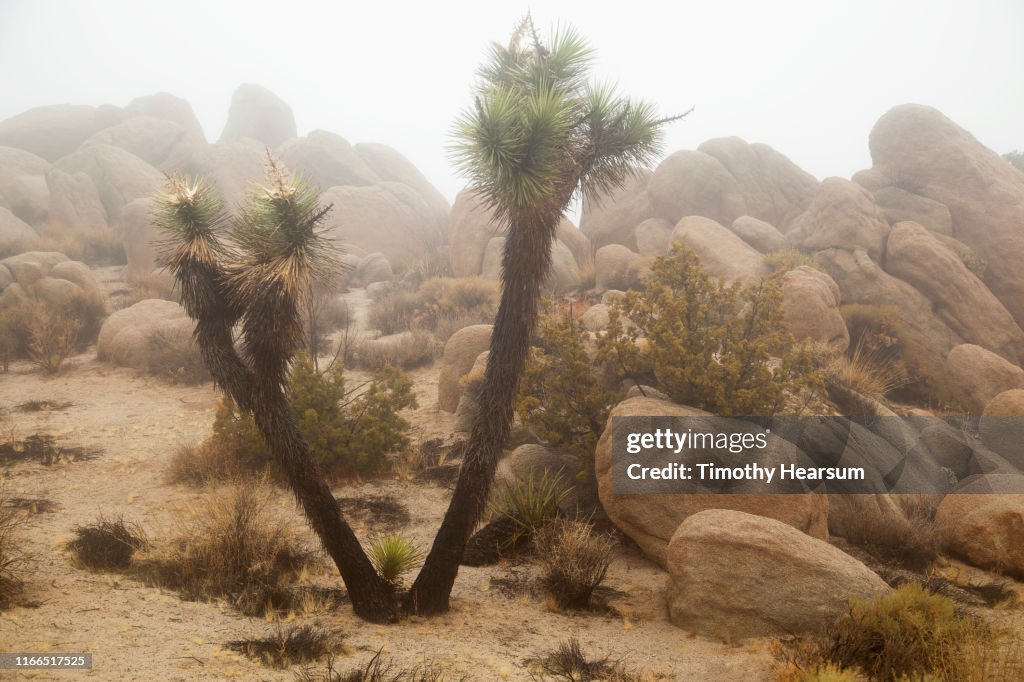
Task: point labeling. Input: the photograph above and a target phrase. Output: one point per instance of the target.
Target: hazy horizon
(808, 80)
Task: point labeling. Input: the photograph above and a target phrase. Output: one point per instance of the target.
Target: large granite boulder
(810, 305)
(327, 160)
(28, 197)
(118, 175)
(898, 205)
(735, 575)
(391, 166)
(258, 114)
(14, 231)
(126, 336)
(693, 183)
(460, 352)
(651, 520)
(982, 522)
(941, 161)
(163, 144)
(54, 131)
(978, 375)
(842, 215)
(15, 162)
(774, 188)
(388, 217)
(721, 252)
(612, 265)
(610, 218)
(140, 238)
(959, 298)
(74, 200)
(761, 235)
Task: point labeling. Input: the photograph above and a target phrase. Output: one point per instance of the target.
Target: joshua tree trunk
(525, 264)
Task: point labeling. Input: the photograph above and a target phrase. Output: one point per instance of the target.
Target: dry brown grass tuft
(232, 546)
(575, 559)
(407, 351)
(208, 463)
(867, 373)
(911, 542)
(568, 662)
(289, 646)
(107, 545)
(13, 560)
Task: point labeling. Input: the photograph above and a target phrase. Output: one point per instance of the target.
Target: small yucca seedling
(394, 555)
(533, 503)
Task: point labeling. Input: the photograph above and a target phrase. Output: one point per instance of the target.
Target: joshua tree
(259, 279)
(538, 134)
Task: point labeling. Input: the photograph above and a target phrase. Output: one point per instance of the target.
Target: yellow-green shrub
(347, 434)
(706, 343)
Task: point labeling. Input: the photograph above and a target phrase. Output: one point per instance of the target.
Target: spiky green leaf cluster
(394, 555)
(257, 268)
(538, 131)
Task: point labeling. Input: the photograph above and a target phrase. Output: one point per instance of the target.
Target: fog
(808, 78)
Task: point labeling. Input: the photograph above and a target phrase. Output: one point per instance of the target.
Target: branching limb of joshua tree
(255, 272)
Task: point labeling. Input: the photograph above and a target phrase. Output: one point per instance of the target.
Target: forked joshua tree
(537, 135)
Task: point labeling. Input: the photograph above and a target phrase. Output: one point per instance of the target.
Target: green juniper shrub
(560, 399)
(348, 434)
(706, 343)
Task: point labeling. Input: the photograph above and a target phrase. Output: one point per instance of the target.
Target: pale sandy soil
(143, 633)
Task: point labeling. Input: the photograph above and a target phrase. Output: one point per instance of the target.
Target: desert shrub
(232, 546)
(442, 305)
(705, 343)
(560, 399)
(908, 634)
(174, 356)
(532, 503)
(881, 335)
(568, 662)
(143, 287)
(911, 542)
(411, 350)
(575, 559)
(13, 560)
(789, 259)
(203, 463)
(289, 646)
(1016, 159)
(380, 669)
(107, 545)
(394, 555)
(348, 434)
(325, 312)
(91, 245)
(49, 333)
(52, 337)
(867, 372)
(394, 311)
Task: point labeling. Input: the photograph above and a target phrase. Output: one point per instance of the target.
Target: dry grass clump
(13, 560)
(575, 559)
(568, 662)
(107, 545)
(207, 462)
(289, 646)
(232, 546)
(48, 333)
(42, 448)
(869, 373)
(143, 287)
(52, 337)
(911, 542)
(407, 350)
(90, 245)
(174, 356)
(379, 669)
(908, 634)
(442, 305)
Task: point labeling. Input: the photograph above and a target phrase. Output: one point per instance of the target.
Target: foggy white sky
(808, 78)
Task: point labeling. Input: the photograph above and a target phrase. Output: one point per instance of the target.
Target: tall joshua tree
(538, 134)
(256, 272)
